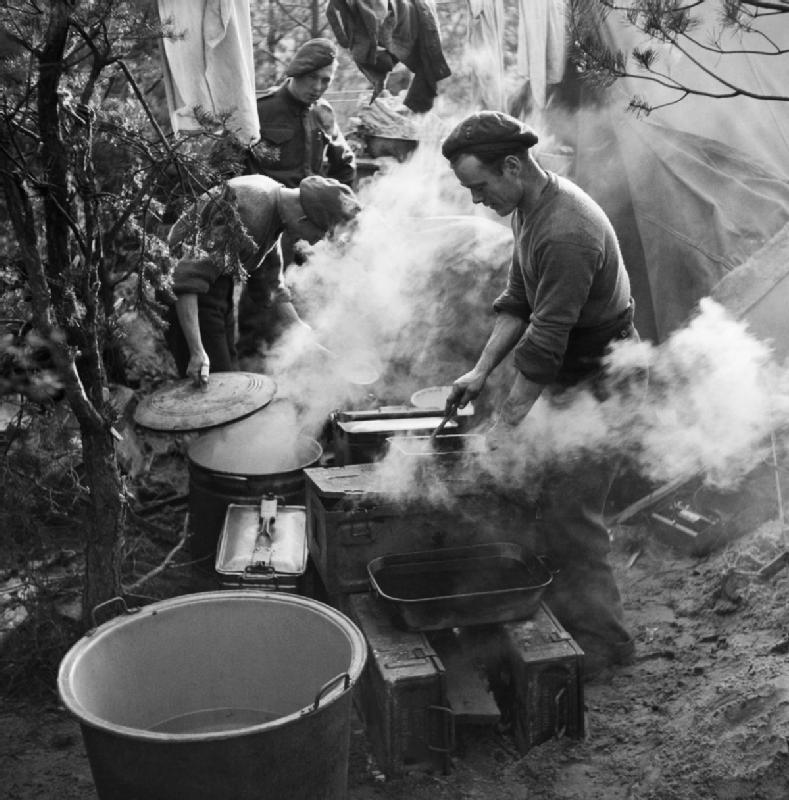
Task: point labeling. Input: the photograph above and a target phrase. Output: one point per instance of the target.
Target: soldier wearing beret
(299, 136)
(226, 235)
(567, 298)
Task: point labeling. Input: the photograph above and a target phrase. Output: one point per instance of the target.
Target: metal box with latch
(540, 681)
(263, 546)
(350, 521)
(690, 530)
(401, 695)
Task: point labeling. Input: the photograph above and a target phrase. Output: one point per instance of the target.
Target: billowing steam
(709, 404)
(402, 301)
(401, 297)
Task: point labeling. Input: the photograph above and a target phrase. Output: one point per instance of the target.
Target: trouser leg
(583, 594)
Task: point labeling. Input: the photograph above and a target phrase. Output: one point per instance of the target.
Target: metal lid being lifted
(181, 406)
(265, 443)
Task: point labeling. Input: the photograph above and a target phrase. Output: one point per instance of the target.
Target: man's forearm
(188, 318)
(523, 395)
(506, 332)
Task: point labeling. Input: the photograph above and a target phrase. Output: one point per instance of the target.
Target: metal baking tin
(458, 586)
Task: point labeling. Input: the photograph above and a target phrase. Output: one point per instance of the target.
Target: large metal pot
(230, 695)
(241, 463)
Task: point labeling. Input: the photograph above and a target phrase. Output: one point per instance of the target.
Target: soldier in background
(299, 137)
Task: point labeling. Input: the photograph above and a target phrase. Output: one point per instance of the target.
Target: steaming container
(351, 521)
(360, 437)
(401, 694)
(240, 463)
(451, 458)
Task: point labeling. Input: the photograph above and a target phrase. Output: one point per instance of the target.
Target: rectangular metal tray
(245, 558)
(451, 446)
(458, 586)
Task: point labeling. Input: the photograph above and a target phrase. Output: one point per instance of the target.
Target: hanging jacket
(407, 33)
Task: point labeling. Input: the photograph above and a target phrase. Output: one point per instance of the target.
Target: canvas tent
(694, 189)
(757, 292)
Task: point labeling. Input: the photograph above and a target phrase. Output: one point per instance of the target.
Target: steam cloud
(405, 295)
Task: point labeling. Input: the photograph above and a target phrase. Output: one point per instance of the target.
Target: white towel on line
(211, 65)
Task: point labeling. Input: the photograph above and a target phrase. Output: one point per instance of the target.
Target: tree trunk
(103, 534)
(85, 381)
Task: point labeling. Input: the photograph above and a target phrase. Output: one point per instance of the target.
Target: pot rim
(137, 616)
(301, 464)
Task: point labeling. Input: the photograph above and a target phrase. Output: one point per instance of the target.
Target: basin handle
(330, 684)
(111, 601)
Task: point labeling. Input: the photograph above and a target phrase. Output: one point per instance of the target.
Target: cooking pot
(240, 463)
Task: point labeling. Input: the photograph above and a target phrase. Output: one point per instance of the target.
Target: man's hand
(464, 390)
(198, 368)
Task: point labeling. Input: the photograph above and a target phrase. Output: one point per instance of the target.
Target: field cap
(488, 132)
(327, 202)
(312, 55)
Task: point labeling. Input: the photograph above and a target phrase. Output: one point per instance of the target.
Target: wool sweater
(568, 281)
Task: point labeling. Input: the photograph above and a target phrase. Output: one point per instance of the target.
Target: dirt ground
(703, 714)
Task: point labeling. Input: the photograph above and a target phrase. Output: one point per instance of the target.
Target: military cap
(327, 202)
(312, 55)
(488, 132)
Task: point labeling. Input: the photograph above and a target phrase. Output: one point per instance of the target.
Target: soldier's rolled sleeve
(194, 275)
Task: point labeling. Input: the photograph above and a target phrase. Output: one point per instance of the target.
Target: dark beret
(327, 202)
(312, 55)
(489, 132)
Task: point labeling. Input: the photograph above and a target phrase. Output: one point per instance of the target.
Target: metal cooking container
(217, 696)
(444, 448)
(458, 586)
(240, 463)
(250, 557)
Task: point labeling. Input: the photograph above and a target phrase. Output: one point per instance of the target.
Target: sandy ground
(702, 715)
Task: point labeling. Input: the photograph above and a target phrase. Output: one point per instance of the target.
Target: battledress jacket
(568, 281)
(295, 138)
(255, 201)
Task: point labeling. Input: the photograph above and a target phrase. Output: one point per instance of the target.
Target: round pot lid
(267, 442)
(181, 406)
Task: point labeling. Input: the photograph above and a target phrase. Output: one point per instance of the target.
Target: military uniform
(296, 140)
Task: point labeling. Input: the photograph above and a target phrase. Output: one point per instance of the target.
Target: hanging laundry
(541, 46)
(407, 32)
(486, 52)
(210, 64)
